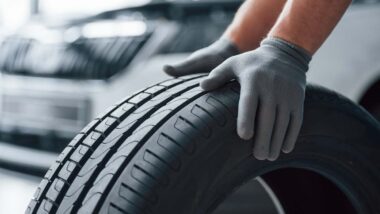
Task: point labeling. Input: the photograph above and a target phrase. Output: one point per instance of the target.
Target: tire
(172, 148)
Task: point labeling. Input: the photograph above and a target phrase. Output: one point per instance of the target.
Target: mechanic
(271, 71)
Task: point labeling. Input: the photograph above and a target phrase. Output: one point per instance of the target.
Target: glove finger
(248, 103)
(198, 63)
(278, 135)
(218, 77)
(266, 117)
(293, 131)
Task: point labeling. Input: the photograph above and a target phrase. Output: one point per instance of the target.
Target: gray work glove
(272, 80)
(205, 59)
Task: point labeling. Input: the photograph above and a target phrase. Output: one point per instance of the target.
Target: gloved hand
(204, 60)
(272, 80)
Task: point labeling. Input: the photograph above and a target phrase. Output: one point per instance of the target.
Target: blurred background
(64, 62)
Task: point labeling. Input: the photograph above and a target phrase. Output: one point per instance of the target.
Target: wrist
(241, 39)
(296, 53)
(307, 44)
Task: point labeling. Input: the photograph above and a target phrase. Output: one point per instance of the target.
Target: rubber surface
(173, 148)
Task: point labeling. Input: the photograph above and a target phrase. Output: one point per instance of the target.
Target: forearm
(307, 23)
(252, 22)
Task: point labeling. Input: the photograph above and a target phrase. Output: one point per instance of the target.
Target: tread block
(31, 206)
(167, 156)
(67, 169)
(155, 89)
(67, 210)
(154, 166)
(101, 151)
(144, 177)
(100, 185)
(141, 189)
(106, 124)
(86, 172)
(192, 76)
(225, 104)
(113, 209)
(127, 205)
(103, 181)
(171, 82)
(91, 138)
(141, 132)
(217, 105)
(212, 111)
(182, 140)
(74, 142)
(122, 128)
(163, 96)
(114, 165)
(79, 152)
(64, 154)
(199, 124)
(45, 206)
(204, 117)
(139, 98)
(90, 204)
(143, 109)
(89, 126)
(128, 194)
(119, 112)
(58, 184)
(41, 186)
(72, 192)
(166, 142)
(229, 100)
(124, 150)
(143, 112)
(107, 111)
(50, 173)
(185, 127)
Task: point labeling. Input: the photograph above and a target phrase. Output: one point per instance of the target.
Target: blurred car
(56, 77)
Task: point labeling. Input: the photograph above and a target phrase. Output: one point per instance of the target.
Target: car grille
(95, 58)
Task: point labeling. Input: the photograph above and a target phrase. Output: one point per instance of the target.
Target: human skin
(271, 72)
(303, 25)
(252, 22)
(306, 23)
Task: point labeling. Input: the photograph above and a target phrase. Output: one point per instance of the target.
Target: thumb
(218, 77)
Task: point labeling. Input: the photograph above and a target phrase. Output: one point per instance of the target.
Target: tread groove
(135, 192)
(175, 142)
(139, 145)
(101, 165)
(117, 145)
(158, 158)
(84, 132)
(118, 208)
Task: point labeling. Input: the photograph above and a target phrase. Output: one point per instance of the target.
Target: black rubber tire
(173, 148)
